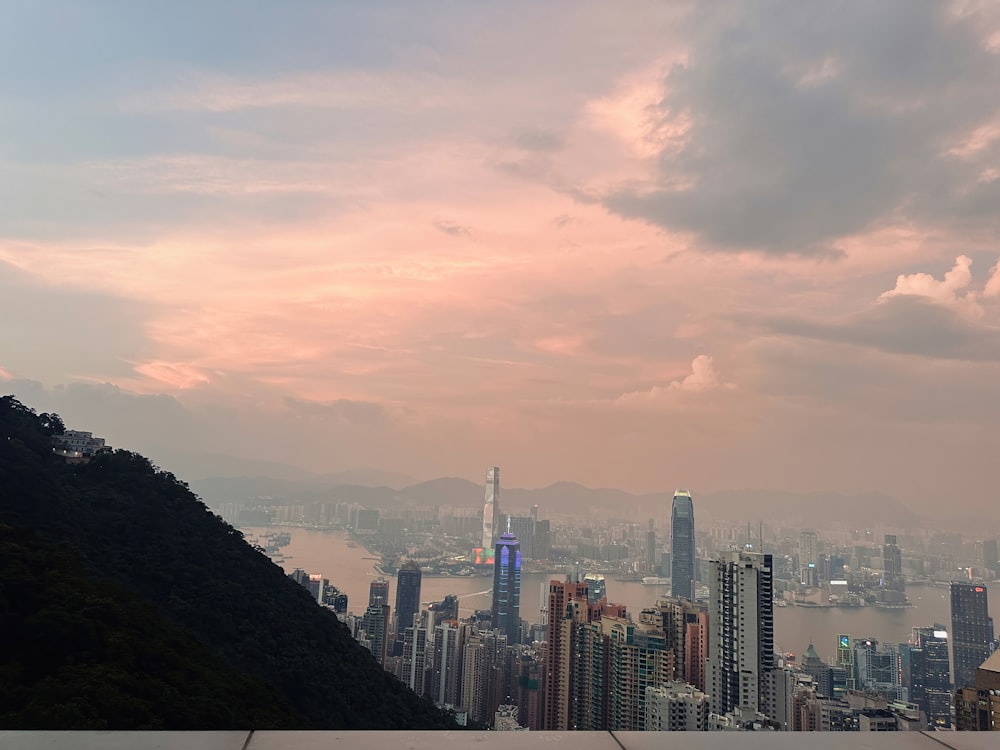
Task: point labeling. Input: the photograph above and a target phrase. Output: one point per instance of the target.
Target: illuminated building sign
(482, 555)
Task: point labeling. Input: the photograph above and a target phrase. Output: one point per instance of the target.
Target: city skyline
(742, 245)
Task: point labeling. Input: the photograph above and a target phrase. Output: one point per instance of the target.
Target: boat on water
(352, 545)
(655, 581)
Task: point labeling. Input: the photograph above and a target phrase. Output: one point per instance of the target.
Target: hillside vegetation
(125, 554)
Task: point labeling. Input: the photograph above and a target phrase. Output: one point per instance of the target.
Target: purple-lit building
(507, 587)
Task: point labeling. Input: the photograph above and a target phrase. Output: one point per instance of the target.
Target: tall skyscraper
(971, 630)
(930, 675)
(407, 601)
(507, 587)
(378, 591)
(682, 550)
(491, 507)
(741, 631)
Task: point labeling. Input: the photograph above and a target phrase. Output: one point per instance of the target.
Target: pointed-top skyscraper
(491, 508)
(507, 587)
(682, 545)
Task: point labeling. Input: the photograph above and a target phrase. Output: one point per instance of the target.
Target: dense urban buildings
(971, 630)
(682, 547)
(709, 662)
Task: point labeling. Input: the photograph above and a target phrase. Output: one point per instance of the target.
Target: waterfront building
(971, 630)
(491, 506)
(506, 610)
(682, 549)
(930, 675)
(741, 631)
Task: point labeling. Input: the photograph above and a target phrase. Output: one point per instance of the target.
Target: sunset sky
(641, 245)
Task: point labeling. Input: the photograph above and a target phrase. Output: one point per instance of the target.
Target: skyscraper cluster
(688, 662)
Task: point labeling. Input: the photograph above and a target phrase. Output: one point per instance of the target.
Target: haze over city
(721, 247)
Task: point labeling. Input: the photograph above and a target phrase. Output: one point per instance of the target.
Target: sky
(659, 244)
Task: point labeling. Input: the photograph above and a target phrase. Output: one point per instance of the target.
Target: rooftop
(461, 740)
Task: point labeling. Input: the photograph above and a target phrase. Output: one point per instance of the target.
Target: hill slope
(141, 529)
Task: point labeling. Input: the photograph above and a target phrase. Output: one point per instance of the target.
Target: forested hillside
(137, 534)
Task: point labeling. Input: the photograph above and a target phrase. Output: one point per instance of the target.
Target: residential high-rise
(741, 631)
(676, 707)
(407, 601)
(558, 654)
(682, 550)
(491, 507)
(638, 658)
(971, 630)
(507, 587)
(446, 667)
(378, 591)
(415, 656)
(375, 623)
(930, 675)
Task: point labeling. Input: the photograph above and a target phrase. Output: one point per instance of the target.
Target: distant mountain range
(570, 498)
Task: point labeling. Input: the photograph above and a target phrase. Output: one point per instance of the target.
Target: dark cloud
(904, 325)
(537, 139)
(341, 410)
(455, 230)
(808, 124)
